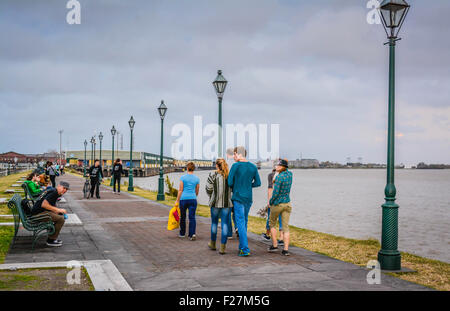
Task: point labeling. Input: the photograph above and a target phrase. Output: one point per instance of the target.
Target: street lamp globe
(85, 143)
(162, 109)
(100, 136)
(131, 122)
(113, 131)
(220, 84)
(92, 140)
(393, 14)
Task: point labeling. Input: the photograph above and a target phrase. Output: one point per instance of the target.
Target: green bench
(28, 195)
(39, 224)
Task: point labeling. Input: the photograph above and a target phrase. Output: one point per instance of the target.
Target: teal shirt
(281, 188)
(243, 177)
(190, 182)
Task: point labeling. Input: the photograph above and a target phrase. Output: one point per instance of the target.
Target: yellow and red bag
(174, 218)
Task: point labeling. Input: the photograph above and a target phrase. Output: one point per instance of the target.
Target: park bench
(39, 224)
(28, 195)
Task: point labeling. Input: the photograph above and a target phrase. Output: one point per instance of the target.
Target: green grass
(6, 235)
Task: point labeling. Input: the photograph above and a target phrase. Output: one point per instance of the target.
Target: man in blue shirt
(243, 177)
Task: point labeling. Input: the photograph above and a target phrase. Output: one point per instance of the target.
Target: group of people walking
(52, 171)
(230, 194)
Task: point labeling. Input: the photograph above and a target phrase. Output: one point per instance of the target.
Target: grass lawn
(48, 279)
(430, 273)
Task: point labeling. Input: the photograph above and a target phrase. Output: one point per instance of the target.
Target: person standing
(51, 172)
(266, 236)
(280, 205)
(46, 205)
(220, 203)
(187, 199)
(242, 179)
(117, 174)
(95, 173)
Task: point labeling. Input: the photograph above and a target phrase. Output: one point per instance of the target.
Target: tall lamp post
(100, 137)
(219, 85)
(130, 174)
(60, 147)
(84, 163)
(92, 149)
(162, 109)
(393, 14)
(113, 132)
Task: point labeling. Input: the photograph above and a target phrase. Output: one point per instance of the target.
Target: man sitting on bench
(46, 205)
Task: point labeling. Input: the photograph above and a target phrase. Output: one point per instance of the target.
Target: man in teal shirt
(243, 177)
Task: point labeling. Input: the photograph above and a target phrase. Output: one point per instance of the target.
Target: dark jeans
(190, 205)
(53, 180)
(223, 213)
(116, 180)
(95, 185)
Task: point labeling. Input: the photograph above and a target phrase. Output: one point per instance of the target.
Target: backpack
(27, 206)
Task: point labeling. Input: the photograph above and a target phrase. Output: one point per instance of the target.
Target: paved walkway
(131, 232)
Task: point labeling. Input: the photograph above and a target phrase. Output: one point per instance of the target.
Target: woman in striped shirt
(220, 202)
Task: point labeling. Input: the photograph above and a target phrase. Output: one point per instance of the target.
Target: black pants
(95, 185)
(116, 180)
(53, 180)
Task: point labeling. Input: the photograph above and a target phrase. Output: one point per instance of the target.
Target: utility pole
(60, 147)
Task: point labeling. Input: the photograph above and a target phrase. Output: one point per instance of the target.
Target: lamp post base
(390, 261)
(160, 196)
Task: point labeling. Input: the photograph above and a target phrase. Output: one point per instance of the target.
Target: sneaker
(265, 237)
(193, 237)
(272, 249)
(54, 243)
(58, 241)
(181, 236)
(243, 254)
(285, 253)
(280, 242)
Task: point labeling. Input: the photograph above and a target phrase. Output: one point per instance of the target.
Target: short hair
(190, 166)
(240, 150)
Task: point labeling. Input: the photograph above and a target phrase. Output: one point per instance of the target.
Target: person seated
(33, 184)
(44, 181)
(46, 205)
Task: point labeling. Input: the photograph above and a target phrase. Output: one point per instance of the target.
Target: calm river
(348, 203)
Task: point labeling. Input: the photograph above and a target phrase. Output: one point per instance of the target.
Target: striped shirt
(218, 191)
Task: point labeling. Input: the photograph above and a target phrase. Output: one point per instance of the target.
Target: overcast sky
(317, 68)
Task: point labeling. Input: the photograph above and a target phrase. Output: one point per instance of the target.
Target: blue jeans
(190, 205)
(224, 214)
(241, 215)
(268, 218)
(230, 224)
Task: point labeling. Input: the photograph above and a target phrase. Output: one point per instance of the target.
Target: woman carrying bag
(220, 203)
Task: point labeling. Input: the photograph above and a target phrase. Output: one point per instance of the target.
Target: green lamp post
(130, 174)
(92, 149)
(219, 85)
(393, 13)
(100, 137)
(162, 109)
(84, 163)
(113, 133)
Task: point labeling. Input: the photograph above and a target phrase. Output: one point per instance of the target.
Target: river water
(348, 202)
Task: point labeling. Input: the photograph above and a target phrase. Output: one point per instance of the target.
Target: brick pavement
(131, 231)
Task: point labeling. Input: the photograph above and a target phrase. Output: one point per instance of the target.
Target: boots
(222, 249)
(212, 245)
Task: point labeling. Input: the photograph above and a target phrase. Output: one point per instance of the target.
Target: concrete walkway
(131, 232)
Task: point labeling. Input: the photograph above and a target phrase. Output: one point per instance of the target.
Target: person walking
(266, 236)
(242, 179)
(187, 200)
(220, 203)
(95, 173)
(280, 205)
(117, 174)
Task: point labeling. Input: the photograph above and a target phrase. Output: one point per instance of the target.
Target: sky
(316, 68)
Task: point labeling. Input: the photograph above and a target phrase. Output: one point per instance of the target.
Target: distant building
(304, 163)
